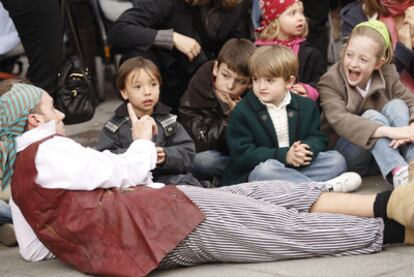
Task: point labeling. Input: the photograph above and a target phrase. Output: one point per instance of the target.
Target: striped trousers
(269, 221)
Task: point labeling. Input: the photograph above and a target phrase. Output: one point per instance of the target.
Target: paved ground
(393, 261)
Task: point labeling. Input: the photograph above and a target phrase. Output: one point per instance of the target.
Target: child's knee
(337, 161)
(375, 116)
(396, 109)
(265, 170)
(394, 106)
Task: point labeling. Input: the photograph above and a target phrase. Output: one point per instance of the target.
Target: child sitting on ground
(367, 111)
(274, 134)
(284, 24)
(139, 82)
(212, 94)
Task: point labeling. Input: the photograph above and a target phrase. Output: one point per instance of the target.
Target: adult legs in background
(84, 22)
(317, 11)
(38, 25)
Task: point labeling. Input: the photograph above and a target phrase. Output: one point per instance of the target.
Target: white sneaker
(346, 182)
(401, 177)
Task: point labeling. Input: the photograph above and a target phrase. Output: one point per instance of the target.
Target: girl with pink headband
(283, 23)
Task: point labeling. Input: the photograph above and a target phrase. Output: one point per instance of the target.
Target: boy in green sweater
(274, 134)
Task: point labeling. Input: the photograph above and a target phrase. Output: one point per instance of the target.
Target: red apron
(105, 231)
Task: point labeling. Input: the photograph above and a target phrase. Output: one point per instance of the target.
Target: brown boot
(401, 204)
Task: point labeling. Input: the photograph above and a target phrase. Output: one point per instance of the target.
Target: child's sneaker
(7, 235)
(346, 182)
(400, 177)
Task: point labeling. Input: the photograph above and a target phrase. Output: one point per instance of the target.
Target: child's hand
(409, 19)
(395, 143)
(144, 128)
(160, 155)
(305, 152)
(299, 154)
(409, 15)
(186, 45)
(404, 35)
(395, 133)
(299, 89)
(226, 98)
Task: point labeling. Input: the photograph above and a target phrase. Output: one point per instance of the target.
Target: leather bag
(75, 96)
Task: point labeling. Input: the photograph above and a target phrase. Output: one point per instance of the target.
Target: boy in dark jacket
(139, 83)
(212, 94)
(178, 36)
(274, 134)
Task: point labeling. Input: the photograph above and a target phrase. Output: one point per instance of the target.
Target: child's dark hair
(135, 64)
(235, 53)
(6, 85)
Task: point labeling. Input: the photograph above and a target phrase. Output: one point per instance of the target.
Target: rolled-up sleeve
(63, 163)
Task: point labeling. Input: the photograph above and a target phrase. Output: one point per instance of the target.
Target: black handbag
(75, 95)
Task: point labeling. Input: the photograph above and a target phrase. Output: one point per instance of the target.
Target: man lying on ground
(101, 213)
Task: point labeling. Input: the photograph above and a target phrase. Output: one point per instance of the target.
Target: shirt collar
(365, 91)
(36, 134)
(286, 101)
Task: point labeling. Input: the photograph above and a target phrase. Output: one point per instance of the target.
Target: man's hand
(160, 155)
(186, 45)
(144, 128)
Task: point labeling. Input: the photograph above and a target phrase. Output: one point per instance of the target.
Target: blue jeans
(5, 213)
(381, 157)
(209, 164)
(325, 166)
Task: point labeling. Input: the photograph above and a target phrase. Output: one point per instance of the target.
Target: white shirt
(278, 115)
(63, 163)
(364, 92)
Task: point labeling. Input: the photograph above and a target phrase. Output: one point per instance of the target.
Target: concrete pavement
(393, 261)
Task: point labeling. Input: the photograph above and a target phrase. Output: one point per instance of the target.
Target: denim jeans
(5, 213)
(325, 166)
(209, 164)
(381, 157)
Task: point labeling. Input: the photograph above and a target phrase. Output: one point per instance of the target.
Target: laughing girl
(367, 111)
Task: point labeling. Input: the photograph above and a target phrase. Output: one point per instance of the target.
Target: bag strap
(65, 10)
(62, 24)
